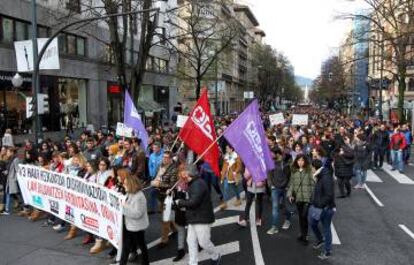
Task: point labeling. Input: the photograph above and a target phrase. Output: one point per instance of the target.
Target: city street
(373, 226)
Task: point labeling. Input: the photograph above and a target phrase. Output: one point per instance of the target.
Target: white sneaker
(286, 225)
(273, 230)
(58, 227)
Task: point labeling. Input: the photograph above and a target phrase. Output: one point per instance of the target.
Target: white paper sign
(123, 131)
(24, 55)
(89, 206)
(300, 119)
(181, 120)
(276, 119)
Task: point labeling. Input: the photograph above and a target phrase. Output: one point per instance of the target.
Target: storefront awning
(149, 106)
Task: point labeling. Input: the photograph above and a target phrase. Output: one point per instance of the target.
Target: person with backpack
(362, 152)
(397, 145)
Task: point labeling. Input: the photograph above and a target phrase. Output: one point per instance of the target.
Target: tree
(391, 34)
(204, 31)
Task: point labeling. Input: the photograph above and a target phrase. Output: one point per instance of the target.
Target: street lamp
(17, 80)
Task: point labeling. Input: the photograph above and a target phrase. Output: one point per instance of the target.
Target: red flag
(199, 134)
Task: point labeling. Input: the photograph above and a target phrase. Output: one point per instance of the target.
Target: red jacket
(398, 141)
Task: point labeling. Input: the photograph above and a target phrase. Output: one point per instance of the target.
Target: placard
(300, 119)
(276, 119)
(181, 120)
(88, 206)
(123, 131)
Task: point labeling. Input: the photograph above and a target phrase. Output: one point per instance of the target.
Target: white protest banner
(276, 119)
(300, 119)
(92, 208)
(24, 55)
(123, 131)
(181, 120)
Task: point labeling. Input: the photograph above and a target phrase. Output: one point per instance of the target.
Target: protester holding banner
(300, 191)
(135, 221)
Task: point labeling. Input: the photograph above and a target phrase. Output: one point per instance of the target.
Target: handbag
(315, 213)
(168, 213)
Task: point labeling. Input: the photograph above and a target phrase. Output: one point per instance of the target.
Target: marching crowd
(309, 160)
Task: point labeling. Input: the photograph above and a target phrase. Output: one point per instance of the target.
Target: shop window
(6, 29)
(42, 32)
(20, 30)
(72, 101)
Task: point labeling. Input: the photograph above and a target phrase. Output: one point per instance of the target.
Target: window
(80, 46)
(42, 32)
(74, 6)
(71, 39)
(20, 30)
(410, 86)
(6, 30)
(62, 43)
(163, 36)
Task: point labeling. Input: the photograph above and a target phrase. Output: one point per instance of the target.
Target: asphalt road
(369, 232)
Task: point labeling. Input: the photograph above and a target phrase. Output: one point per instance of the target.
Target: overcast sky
(305, 30)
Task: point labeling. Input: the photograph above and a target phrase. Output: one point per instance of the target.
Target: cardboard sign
(300, 119)
(181, 120)
(123, 131)
(276, 119)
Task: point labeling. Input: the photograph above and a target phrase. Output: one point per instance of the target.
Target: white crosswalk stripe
(335, 237)
(372, 177)
(400, 178)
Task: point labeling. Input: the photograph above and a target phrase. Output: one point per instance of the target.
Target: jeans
(397, 160)
(379, 157)
(278, 199)
(361, 175)
(200, 234)
(326, 220)
(153, 200)
(259, 205)
(406, 154)
(230, 186)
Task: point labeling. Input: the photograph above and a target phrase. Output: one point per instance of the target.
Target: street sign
(24, 55)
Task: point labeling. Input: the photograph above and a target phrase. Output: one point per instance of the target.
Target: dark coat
(323, 194)
(344, 164)
(280, 176)
(380, 140)
(199, 208)
(179, 212)
(362, 155)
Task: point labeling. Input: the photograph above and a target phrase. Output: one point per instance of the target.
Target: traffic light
(43, 100)
(29, 107)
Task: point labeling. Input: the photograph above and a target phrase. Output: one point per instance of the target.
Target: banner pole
(175, 142)
(208, 148)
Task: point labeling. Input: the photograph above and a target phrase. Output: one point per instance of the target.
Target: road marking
(372, 177)
(378, 202)
(401, 178)
(230, 203)
(225, 221)
(408, 231)
(335, 237)
(225, 249)
(257, 251)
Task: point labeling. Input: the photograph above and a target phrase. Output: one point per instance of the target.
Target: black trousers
(259, 205)
(344, 183)
(379, 157)
(130, 242)
(303, 208)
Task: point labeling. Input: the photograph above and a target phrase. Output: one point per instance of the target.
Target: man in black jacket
(199, 215)
(322, 208)
(380, 142)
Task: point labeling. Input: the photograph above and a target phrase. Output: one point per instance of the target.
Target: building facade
(85, 89)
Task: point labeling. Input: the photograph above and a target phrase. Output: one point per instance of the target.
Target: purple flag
(133, 120)
(246, 135)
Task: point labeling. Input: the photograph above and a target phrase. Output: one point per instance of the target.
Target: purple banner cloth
(247, 136)
(133, 120)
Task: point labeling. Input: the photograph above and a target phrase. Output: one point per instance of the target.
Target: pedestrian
(344, 169)
(154, 163)
(135, 221)
(199, 215)
(380, 142)
(92, 152)
(397, 146)
(7, 139)
(363, 156)
(278, 180)
(231, 176)
(300, 191)
(12, 187)
(408, 139)
(322, 208)
(255, 190)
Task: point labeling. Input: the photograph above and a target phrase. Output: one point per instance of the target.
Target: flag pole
(175, 142)
(208, 148)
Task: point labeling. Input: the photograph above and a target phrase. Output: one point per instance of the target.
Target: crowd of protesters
(309, 159)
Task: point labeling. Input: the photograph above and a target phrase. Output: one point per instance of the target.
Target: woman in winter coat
(135, 221)
(12, 187)
(362, 152)
(344, 169)
(254, 189)
(231, 176)
(300, 191)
